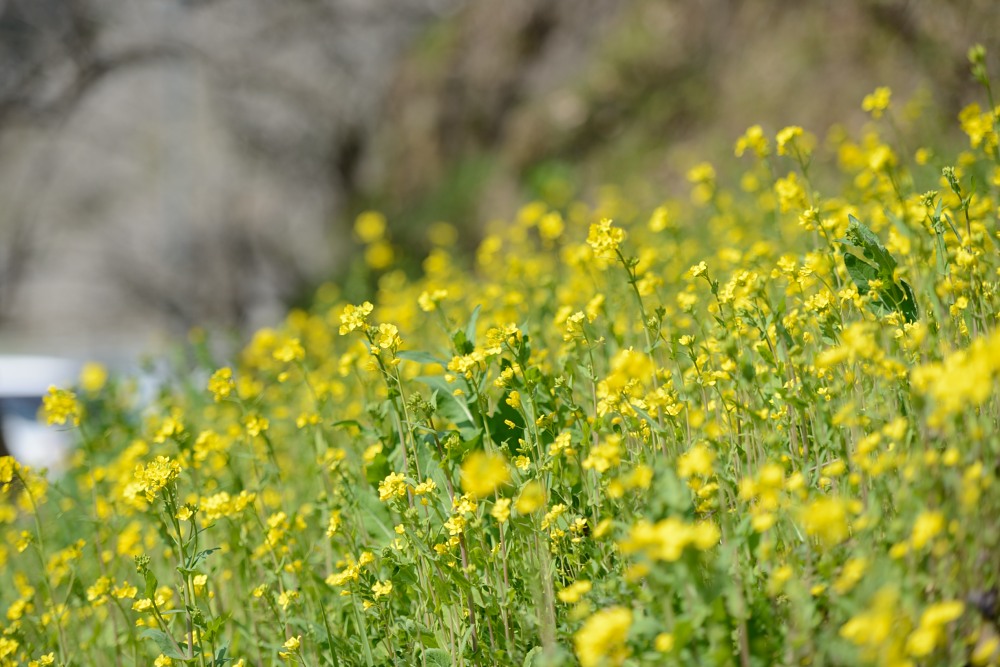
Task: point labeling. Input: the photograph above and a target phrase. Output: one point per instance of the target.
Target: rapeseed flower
(157, 475)
(483, 473)
(393, 486)
(604, 238)
(601, 640)
(531, 499)
(60, 406)
(355, 317)
(877, 102)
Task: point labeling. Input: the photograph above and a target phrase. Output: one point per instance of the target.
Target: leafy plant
(873, 270)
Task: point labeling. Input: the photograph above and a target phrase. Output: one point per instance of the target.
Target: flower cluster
(756, 424)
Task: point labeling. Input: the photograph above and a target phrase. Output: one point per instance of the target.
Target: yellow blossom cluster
(753, 422)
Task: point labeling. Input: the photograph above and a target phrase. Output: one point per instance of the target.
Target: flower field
(756, 426)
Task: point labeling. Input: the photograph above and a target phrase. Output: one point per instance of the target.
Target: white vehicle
(24, 380)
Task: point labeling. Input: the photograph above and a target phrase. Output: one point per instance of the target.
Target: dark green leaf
(875, 263)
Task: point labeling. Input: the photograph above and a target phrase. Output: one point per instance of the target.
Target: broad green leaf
(436, 657)
(163, 643)
(875, 263)
(534, 657)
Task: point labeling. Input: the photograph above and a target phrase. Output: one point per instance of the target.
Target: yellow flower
(483, 473)
(291, 645)
(8, 647)
(8, 467)
(514, 399)
(705, 535)
(664, 642)
(287, 599)
(221, 383)
(156, 475)
(929, 633)
(333, 525)
(826, 519)
(605, 238)
(124, 591)
(162, 661)
(370, 226)
(255, 424)
(702, 172)
(754, 140)
(379, 255)
(926, 528)
(60, 406)
(355, 317)
(878, 630)
(381, 589)
(97, 592)
(393, 486)
(698, 270)
(501, 510)
(790, 194)
(428, 301)
(601, 640)
(787, 135)
(93, 377)
(387, 337)
(550, 226)
(574, 592)
(425, 487)
(921, 642)
(290, 350)
(877, 102)
(531, 499)
(604, 456)
(942, 613)
(696, 461)
(851, 574)
(659, 220)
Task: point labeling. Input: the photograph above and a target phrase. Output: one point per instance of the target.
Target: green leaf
(213, 627)
(875, 263)
(151, 583)
(869, 243)
(498, 423)
(201, 555)
(470, 328)
(453, 407)
(163, 642)
(861, 272)
(378, 469)
(436, 657)
(534, 658)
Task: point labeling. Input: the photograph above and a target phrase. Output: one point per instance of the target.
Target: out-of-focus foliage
(172, 163)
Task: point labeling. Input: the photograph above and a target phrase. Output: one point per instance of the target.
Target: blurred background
(172, 163)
